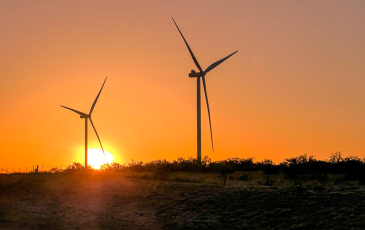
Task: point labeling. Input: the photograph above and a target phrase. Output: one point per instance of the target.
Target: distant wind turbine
(86, 117)
(199, 75)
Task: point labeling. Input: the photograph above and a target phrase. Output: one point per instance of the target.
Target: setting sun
(96, 158)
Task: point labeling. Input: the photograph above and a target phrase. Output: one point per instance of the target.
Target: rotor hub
(195, 74)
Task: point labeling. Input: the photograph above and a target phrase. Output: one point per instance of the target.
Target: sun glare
(96, 158)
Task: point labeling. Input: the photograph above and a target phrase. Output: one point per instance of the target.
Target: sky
(296, 86)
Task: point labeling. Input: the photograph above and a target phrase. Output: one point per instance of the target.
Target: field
(81, 201)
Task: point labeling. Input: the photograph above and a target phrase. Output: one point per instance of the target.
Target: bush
(298, 168)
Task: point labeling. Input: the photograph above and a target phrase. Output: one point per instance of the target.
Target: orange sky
(297, 84)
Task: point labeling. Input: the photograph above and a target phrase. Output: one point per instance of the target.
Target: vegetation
(296, 168)
(298, 193)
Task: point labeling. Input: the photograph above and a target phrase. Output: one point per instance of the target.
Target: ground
(59, 201)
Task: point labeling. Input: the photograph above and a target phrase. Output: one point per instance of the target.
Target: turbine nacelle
(85, 116)
(195, 74)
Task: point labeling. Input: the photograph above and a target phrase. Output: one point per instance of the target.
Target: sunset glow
(96, 158)
(296, 85)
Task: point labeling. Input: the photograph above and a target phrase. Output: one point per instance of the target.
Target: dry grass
(61, 201)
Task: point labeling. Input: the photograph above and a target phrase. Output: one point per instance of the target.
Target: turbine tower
(86, 117)
(201, 75)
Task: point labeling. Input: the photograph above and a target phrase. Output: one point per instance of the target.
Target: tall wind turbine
(86, 117)
(201, 75)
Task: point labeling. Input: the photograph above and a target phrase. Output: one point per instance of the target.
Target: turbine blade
(215, 64)
(74, 110)
(210, 123)
(191, 52)
(91, 121)
(97, 97)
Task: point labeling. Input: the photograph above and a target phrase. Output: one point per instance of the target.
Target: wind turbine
(201, 75)
(86, 117)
